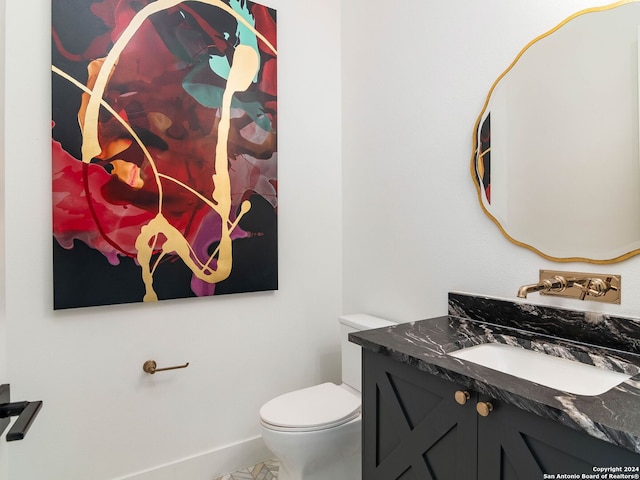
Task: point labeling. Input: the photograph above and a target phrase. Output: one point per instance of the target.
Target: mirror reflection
(556, 147)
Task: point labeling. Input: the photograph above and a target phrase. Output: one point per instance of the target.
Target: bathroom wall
(103, 418)
(415, 76)
(3, 327)
(394, 209)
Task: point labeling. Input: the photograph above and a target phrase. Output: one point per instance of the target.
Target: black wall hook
(25, 411)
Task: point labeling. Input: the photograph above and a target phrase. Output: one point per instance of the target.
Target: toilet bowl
(316, 432)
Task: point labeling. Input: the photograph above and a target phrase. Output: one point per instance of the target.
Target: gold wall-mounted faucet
(555, 284)
(598, 287)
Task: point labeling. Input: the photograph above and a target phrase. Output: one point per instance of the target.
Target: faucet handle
(595, 287)
(583, 284)
(599, 287)
(610, 286)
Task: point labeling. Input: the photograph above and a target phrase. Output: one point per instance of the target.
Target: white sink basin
(560, 373)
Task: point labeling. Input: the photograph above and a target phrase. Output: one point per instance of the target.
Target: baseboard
(209, 465)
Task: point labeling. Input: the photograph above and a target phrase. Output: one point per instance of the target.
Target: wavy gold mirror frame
(555, 207)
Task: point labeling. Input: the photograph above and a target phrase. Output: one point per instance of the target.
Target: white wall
(103, 418)
(3, 326)
(409, 230)
(415, 77)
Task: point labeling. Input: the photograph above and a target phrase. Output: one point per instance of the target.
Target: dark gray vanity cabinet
(412, 427)
(415, 429)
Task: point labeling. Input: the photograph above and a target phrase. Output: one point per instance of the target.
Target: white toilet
(315, 432)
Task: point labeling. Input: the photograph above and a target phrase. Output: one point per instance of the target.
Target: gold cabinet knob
(484, 408)
(462, 397)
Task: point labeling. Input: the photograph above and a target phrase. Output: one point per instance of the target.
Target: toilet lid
(314, 408)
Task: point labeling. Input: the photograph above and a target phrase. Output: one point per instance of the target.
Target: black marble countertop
(612, 342)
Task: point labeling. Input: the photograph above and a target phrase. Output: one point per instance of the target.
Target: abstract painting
(164, 150)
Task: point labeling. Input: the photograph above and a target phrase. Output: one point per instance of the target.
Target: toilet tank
(352, 353)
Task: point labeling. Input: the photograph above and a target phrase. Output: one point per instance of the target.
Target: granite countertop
(613, 342)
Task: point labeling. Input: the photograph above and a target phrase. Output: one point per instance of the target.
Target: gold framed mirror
(555, 159)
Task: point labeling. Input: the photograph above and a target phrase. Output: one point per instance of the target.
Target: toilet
(315, 432)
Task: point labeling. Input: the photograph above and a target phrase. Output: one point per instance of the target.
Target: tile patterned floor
(263, 471)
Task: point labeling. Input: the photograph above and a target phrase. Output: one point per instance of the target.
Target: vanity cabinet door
(413, 427)
(518, 445)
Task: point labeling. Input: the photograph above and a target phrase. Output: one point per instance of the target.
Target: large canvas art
(164, 149)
